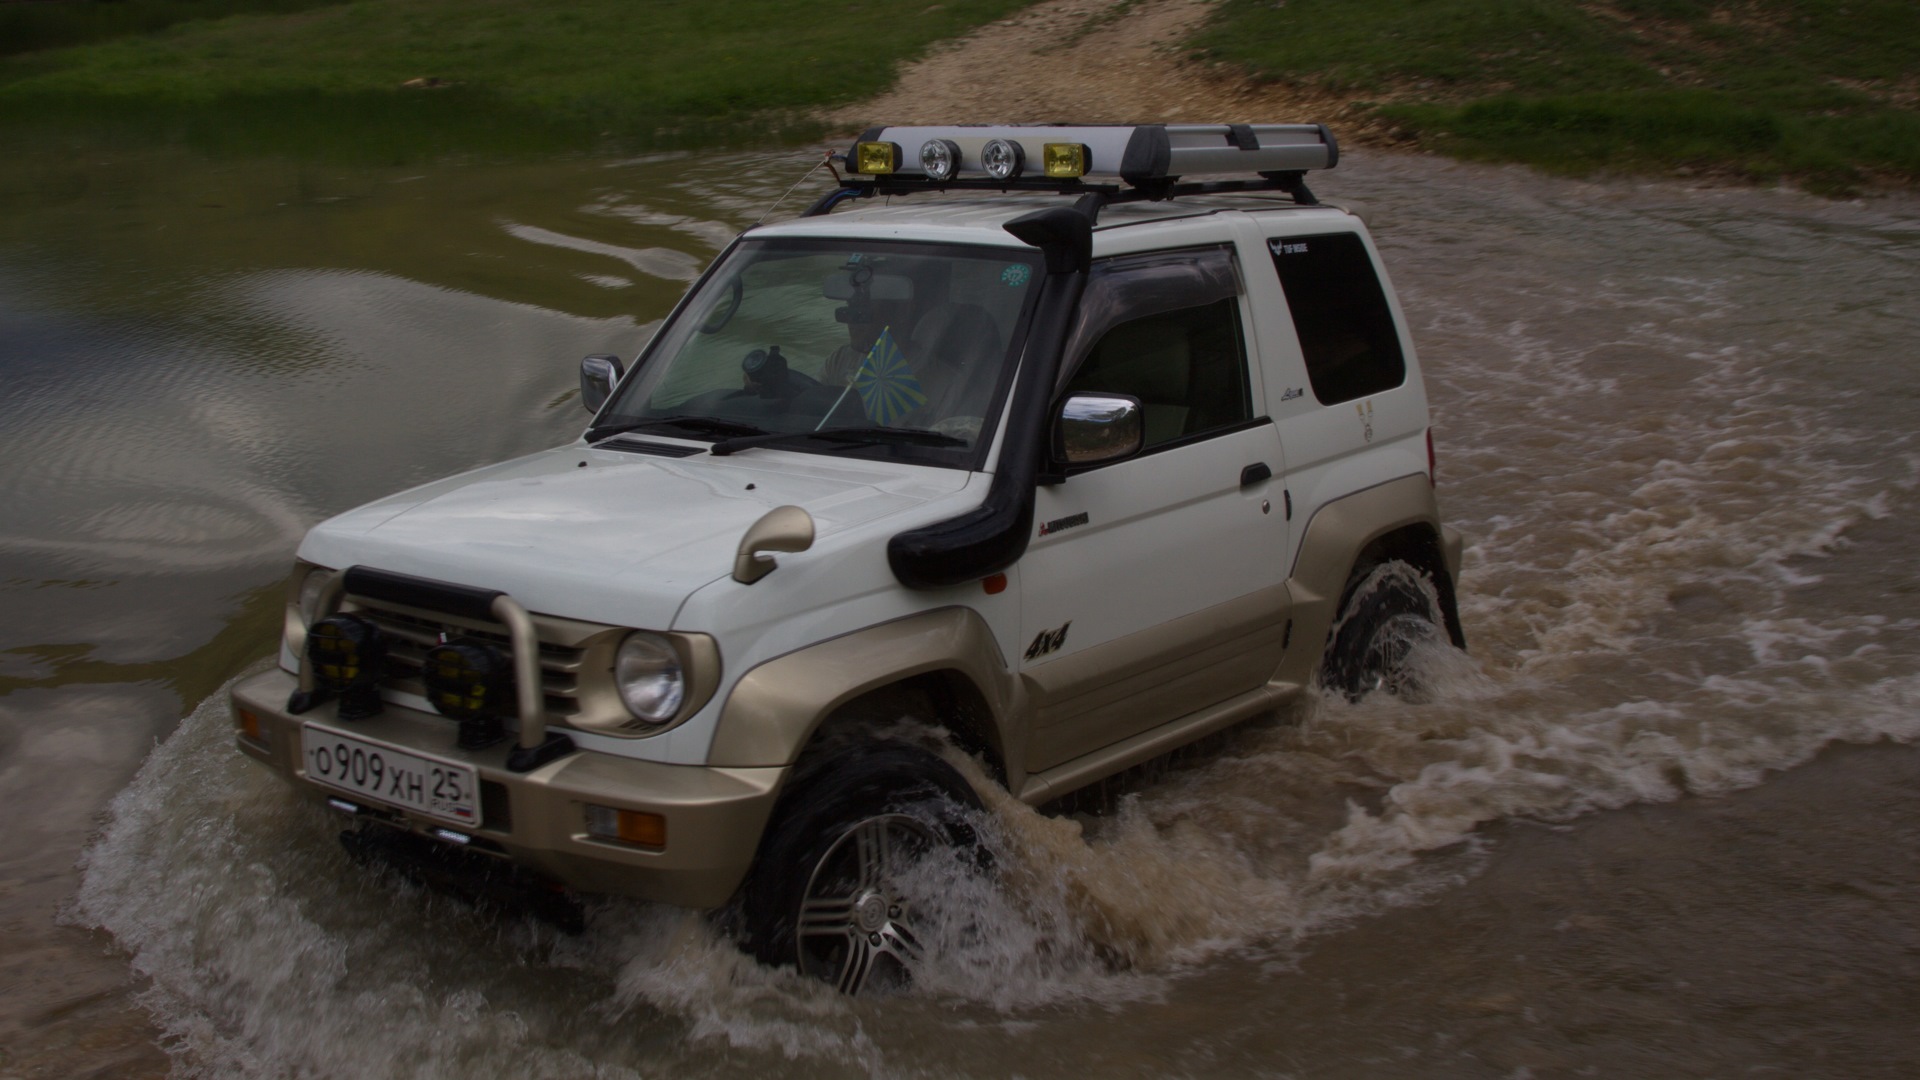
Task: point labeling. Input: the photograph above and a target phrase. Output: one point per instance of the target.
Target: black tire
(1388, 610)
(823, 897)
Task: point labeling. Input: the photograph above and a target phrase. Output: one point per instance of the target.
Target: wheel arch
(1398, 519)
(946, 660)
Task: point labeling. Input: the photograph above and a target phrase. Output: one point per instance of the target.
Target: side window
(1341, 315)
(1188, 368)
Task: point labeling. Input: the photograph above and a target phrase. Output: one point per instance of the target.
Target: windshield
(802, 336)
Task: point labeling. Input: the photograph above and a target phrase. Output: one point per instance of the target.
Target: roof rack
(1119, 162)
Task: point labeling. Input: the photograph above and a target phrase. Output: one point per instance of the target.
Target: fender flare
(775, 708)
(1337, 535)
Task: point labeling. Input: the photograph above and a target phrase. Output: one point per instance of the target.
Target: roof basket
(1123, 162)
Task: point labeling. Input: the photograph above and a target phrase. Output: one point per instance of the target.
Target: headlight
(310, 590)
(647, 670)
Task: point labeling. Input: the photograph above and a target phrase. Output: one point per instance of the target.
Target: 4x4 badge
(1048, 641)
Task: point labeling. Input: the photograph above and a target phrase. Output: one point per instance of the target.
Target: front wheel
(829, 893)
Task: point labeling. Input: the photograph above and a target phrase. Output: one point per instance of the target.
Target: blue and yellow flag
(885, 383)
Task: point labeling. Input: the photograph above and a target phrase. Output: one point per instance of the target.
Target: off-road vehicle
(1075, 443)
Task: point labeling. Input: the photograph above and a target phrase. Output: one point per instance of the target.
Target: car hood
(610, 536)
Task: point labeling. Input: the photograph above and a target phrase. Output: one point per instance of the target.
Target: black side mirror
(599, 374)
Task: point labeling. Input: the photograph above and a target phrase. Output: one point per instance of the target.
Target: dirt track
(1091, 61)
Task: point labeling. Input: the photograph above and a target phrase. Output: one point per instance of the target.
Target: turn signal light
(877, 158)
(627, 826)
(1064, 160)
(249, 725)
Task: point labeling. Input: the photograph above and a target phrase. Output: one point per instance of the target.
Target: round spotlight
(349, 655)
(471, 681)
(940, 158)
(1002, 159)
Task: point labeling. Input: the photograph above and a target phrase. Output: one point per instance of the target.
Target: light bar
(1140, 155)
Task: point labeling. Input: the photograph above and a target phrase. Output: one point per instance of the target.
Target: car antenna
(827, 161)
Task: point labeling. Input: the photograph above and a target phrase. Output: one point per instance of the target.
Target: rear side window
(1341, 315)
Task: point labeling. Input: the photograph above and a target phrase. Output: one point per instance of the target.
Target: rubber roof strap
(1148, 157)
(993, 535)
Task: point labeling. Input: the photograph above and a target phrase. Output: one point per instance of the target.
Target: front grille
(409, 637)
(570, 652)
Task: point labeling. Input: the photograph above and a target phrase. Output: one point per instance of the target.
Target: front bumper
(538, 819)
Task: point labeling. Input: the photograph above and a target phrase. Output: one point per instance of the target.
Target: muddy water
(1676, 425)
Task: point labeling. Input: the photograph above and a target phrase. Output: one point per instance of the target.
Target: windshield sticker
(1016, 274)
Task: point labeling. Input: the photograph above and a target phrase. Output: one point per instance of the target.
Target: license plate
(439, 789)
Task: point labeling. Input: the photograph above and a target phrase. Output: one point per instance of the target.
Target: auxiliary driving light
(940, 158)
(1002, 159)
(1064, 160)
(472, 682)
(876, 158)
(349, 656)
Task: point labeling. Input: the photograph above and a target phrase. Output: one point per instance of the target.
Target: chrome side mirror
(1093, 428)
(599, 374)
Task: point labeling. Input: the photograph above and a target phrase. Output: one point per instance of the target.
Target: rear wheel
(1391, 609)
(829, 892)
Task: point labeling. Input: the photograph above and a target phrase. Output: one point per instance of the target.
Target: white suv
(1075, 480)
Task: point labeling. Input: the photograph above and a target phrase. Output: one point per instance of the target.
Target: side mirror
(1093, 428)
(599, 374)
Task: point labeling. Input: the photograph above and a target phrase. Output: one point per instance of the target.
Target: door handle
(1254, 474)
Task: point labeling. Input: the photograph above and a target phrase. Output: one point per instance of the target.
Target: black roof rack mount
(1120, 162)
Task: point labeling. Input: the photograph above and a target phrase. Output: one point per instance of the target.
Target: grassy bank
(489, 75)
(1825, 92)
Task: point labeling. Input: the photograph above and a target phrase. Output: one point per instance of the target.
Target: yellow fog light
(627, 826)
(348, 655)
(472, 682)
(877, 158)
(1064, 160)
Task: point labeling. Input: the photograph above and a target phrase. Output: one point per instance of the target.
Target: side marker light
(995, 584)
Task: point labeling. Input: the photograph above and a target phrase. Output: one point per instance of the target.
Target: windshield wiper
(853, 436)
(702, 425)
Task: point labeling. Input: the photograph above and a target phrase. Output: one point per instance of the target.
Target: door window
(1188, 367)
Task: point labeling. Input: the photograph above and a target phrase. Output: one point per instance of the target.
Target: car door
(1154, 586)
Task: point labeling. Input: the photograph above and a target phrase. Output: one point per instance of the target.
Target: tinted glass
(1340, 312)
(1187, 367)
(804, 336)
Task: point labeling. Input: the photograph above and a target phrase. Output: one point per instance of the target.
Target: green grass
(514, 74)
(53, 24)
(1821, 91)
